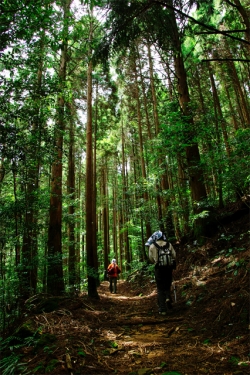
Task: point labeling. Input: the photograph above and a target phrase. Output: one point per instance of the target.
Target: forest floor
(206, 332)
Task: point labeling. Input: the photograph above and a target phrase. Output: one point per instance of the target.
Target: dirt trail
(207, 332)
(123, 334)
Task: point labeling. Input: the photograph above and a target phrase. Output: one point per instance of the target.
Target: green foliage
(40, 368)
(29, 123)
(11, 365)
(234, 360)
(51, 365)
(113, 345)
(201, 215)
(81, 353)
(207, 342)
(49, 349)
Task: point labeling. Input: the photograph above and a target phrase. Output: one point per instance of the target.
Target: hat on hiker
(155, 237)
(113, 260)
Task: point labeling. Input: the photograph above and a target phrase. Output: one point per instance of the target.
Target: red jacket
(115, 270)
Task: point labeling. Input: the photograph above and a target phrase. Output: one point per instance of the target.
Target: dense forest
(118, 118)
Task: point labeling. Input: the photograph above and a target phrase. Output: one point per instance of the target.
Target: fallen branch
(148, 321)
(89, 307)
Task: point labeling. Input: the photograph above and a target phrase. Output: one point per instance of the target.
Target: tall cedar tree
(92, 264)
(55, 280)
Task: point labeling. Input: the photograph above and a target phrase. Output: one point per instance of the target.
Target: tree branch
(230, 3)
(198, 22)
(226, 31)
(244, 60)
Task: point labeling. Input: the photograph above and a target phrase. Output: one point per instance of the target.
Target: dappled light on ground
(206, 332)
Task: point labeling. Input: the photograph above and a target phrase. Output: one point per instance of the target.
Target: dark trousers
(113, 282)
(163, 278)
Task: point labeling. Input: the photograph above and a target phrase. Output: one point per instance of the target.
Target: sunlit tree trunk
(79, 226)
(243, 106)
(218, 112)
(145, 100)
(124, 215)
(217, 132)
(164, 215)
(115, 221)
(72, 196)
(176, 220)
(214, 177)
(55, 281)
(105, 219)
(152, 85)
(142, 160)
(92, 264)
(95, 218)
(29, 247)
(195, 172)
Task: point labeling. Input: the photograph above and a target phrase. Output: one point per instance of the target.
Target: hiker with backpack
(113, 272)
(162, 254)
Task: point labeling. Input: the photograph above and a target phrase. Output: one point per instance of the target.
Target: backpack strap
(164, 247)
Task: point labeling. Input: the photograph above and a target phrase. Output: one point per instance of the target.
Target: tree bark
(142, 160)
(29, 247)
(105, 219)
(218, 112)
(92, 266)
(71, 209)
(195, 172)
(55, 280)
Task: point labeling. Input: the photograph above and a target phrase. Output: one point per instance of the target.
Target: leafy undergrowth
(206, 332)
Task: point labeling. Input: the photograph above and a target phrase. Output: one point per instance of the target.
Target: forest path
(136, 337)
(207, 332)
(124, 334)
(131, 338)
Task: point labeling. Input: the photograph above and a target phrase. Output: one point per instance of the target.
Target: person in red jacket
(113, 272)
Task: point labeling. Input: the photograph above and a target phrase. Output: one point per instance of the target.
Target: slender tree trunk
(197, 187)
(71, 209)
(17, 218)
(219, 188)
(115, 221)
(195, 172)
(176, 221)
(124, 215)
(29, 247)
(95, 218)
(55, 281)
(145, 100)
(165, 220)
(245, 14)
(243, 105)
(105, 216)
(143, 168)
(215, 177)
(79, 230)
(219, 113)
(152, 85)
(90, 216)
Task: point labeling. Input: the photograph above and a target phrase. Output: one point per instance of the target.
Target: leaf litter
(206, 332)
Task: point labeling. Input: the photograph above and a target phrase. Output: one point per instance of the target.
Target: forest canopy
(117, 118)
